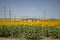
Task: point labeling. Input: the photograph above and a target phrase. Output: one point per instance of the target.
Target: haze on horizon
(31, 8)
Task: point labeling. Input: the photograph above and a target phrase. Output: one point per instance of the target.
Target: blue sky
(31, 8)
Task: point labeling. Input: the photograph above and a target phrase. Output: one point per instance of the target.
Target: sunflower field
(35, 23)
(30, 30)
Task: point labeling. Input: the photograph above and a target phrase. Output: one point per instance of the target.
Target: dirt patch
(3, 38)
(50, 39)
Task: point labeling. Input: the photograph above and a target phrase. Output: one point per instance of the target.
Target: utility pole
(41, 14)
(10, 14)
(4, 12)
(43, 11)
(14, 18)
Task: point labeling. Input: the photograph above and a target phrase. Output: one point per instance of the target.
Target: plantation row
(26, 32)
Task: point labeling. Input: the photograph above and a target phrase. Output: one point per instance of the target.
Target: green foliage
(54, 32)
(34, 32)
(0, 31)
